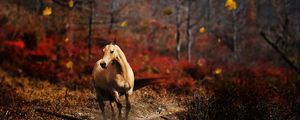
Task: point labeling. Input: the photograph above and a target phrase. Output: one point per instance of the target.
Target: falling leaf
(146, 57)
(208, 78)
(71, 3)
(123, 24)
(67, 40)
(201, 62)
(202, 29)
(218, 71)
(167, 11)
(219, 40)
(47, 11)
(69, 64)
(230, 5)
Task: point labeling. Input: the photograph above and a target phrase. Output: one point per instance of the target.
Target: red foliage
(135, 67)
(16, 44)
(185, 64)
(49, 59)
(44, 49)
(265, 70)
(196, 71)
(164, 64)
(148, 75)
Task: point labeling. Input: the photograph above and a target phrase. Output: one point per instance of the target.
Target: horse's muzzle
(103, 65)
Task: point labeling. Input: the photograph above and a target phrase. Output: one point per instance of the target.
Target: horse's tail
(143, 82)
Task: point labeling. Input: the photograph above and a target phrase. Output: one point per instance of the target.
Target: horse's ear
(114, 42)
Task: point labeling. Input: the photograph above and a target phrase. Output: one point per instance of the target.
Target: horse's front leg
(128, 105)
(100, 102)
(118, 101)
(112, 110)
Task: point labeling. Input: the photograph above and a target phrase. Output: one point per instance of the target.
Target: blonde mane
(127, 72)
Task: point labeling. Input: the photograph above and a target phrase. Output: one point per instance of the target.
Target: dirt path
(34, 99)
(145, 107)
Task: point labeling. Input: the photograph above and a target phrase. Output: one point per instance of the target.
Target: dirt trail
(144, 107)
(34, 99)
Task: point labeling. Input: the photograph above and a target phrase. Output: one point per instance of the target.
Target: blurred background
(215, 59)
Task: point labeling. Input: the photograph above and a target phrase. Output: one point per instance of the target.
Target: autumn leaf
(202, 29)
(69, 64)
(201, 62)
(67, 40)
(167, 11)
(218, 71)
(230, 5)
(47, 11)
(219, 40)
(71, 3)
(123, 24)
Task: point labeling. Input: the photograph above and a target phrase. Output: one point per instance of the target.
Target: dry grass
(24, 97)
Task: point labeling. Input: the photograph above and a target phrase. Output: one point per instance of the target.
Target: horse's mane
(121, 53)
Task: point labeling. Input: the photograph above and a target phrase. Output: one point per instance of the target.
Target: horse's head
(110, 54)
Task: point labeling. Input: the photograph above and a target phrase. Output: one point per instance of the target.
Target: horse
(113, 77)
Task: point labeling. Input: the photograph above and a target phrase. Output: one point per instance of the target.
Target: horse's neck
(123, 63)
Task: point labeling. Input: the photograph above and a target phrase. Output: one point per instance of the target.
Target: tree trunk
(111, 15)
(90, 28)
(111, 23)
(282, 54)
(70, 25)
(189, 31)
(207, 16)
(39, 6)
(178, 46)
(252, 11)
(251, 18)
(235, 41)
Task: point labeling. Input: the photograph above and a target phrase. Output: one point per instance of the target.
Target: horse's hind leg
(128, 105)
(119, 104)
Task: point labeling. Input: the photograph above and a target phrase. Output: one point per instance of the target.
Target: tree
(282, 39)
(231, 6)
(189, 30)
(116, 6)
(207, 14)
(191, 17)
(91, 16)
(252, 11)
(178, 24)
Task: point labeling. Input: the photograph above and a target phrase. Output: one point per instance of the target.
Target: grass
(28, 98)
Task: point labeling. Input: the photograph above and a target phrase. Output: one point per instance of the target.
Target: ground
(27, 98)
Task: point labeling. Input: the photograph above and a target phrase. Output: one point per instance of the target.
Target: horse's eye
(111, 52)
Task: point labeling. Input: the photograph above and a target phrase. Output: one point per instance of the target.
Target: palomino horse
(113, 77)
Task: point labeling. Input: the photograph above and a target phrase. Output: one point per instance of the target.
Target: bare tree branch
(275, 47)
